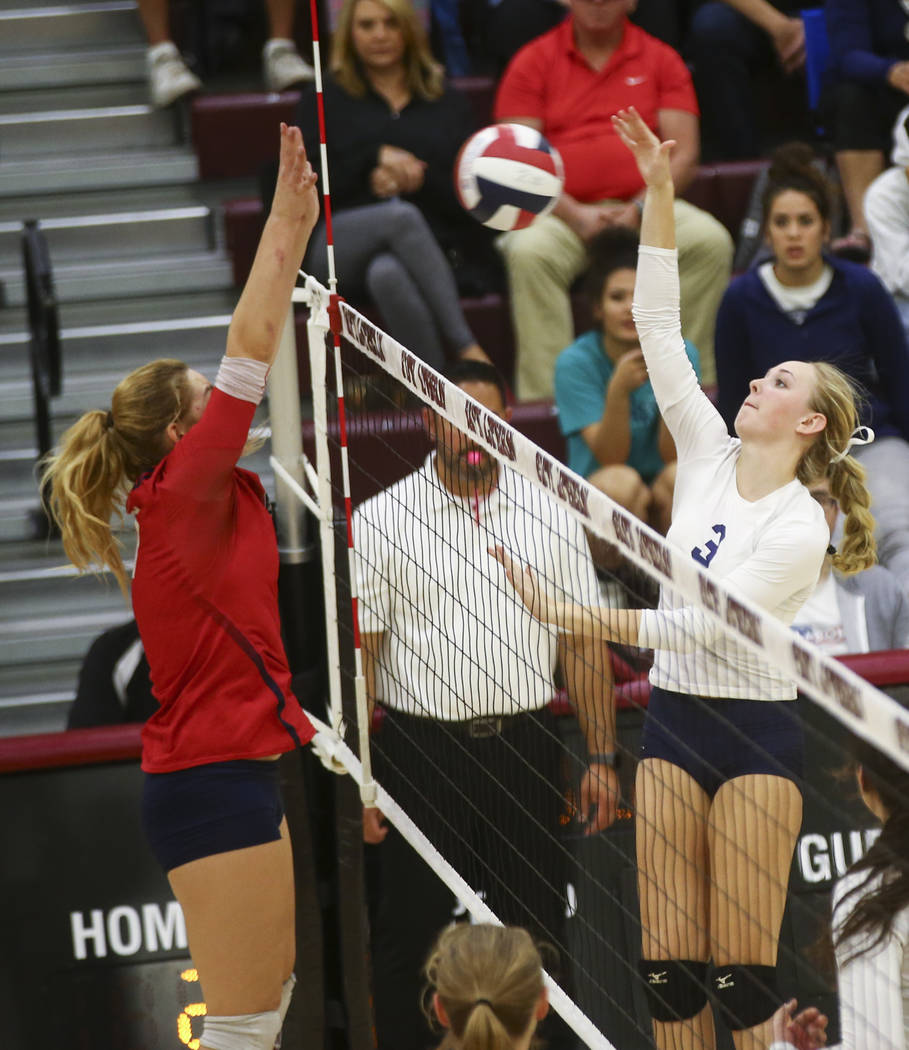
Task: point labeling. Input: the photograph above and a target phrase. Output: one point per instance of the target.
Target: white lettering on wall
(824, 858)
(126, 930)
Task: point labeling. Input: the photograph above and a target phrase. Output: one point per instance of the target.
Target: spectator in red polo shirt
(568, 83)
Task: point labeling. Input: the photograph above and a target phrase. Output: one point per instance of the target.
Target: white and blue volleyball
(507, 175)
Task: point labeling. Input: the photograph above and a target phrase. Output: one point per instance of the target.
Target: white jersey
(768, 550)
(459, 643)
(874, 987)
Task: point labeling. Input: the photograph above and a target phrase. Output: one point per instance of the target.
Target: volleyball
(507, 175)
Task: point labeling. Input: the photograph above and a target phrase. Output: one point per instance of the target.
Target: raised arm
(258, 320)
(689, 415)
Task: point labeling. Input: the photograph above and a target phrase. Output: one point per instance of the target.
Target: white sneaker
(283, 65)
(169, 78)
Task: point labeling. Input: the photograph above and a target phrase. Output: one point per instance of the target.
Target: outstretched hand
(651, 155)
(295, 197)
(525, 583)
(807, 1030)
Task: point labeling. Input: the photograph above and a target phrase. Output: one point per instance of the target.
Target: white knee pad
(242, 1031)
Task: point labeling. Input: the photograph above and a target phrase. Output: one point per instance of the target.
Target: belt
(479, 728)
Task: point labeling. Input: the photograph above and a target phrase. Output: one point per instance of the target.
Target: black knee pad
(746, 995)
(675, 988)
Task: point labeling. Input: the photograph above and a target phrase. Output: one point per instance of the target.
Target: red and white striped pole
(368, 788)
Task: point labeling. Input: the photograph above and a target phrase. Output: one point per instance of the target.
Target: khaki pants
(544, 260)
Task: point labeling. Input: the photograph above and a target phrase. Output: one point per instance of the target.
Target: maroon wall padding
(236, 135)
(724, 190)
(77, 747)
(244, 220)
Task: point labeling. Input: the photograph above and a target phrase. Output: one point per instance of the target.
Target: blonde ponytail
(103, 454)
(838, 400)
(489, 980)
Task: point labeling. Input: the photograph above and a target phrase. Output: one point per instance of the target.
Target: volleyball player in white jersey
(718, 806)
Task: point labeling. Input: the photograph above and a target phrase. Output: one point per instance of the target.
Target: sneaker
(283, 66)
(169, 78)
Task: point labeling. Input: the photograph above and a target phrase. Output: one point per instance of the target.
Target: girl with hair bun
(204, 592)
(804, 304)
(485, 985)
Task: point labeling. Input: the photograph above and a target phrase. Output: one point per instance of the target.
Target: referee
(463, 676)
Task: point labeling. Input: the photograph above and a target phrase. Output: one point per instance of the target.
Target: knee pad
(242, 1031)
(746, 995)
(675, 988)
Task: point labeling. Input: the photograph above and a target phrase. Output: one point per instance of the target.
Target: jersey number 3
(704, 555)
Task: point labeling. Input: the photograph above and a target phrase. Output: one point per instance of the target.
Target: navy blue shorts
(197, 812)
(716, 740)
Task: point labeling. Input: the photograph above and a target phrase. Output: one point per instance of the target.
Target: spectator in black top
(114, 685)
(393, 130)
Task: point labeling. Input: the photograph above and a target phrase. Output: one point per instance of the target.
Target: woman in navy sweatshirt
(805, 305)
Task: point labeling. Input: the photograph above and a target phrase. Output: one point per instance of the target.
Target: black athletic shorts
(215, 808)
(717, 740)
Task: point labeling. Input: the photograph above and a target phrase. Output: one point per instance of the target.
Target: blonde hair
(489, 980)
(104, 453)
(425, 76)
(837, 399)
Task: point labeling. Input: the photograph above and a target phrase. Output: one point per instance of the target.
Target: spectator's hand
(898, 77)
(806, 1031)
(374, 827)
(525, 583)
(630, 372)
(651, 155)
(587, 220)
(623, 214)
(383, 182)
(599, 798)
(295, 198)
(408, 169)
(789, 43)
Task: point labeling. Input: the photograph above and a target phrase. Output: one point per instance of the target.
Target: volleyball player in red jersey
(205, 598)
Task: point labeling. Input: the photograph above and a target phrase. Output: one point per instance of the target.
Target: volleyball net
(470, 723)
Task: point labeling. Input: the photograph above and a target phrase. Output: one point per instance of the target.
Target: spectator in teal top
(607, 411)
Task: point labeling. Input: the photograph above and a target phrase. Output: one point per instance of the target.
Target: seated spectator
(861, 613)
(730, 41)
(393, 130)
(114, 685)
(485, 986)
(568, 84)
(615, 435)
(805, 305)
(169, 77)
(869, 54)
(887, 213)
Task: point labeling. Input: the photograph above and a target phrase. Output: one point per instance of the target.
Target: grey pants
(389, 250)
(887, 462)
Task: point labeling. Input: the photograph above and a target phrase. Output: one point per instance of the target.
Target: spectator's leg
(887, 464)
(541, 262)
(404, 313)
(725, 48)
(398, 229)
(859, 143)
(282, 64)
(705, 263)
(447, 17)
(169, 78)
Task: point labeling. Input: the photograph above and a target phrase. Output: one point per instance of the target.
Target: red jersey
(551, 81)
(205, 595)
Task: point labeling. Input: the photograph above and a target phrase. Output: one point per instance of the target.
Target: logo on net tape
(562, 484)
(833, 683)
(902, 734)
(490, 427)
(655, 553)
(363, 335)
(422, 376)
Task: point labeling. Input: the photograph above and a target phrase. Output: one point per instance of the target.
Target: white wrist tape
(243, 378)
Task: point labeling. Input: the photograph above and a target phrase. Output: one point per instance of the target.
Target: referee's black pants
(492, 806)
